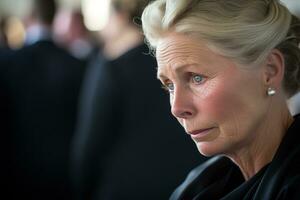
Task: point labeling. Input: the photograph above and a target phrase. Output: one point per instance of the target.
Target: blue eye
(198, 78)
(170, 86)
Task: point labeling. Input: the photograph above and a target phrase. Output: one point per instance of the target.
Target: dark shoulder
(49, 52)
(204, 175)
(43, 47)
(136, 66)
(282, 176)
(291, 185)
(290, 189)
(211, 165)
(135, 57)
(48, 47)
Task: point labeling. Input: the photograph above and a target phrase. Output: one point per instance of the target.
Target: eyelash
(166, 88)
(190, 77)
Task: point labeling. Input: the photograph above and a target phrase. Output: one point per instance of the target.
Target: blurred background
(13, 12)
(95, 13)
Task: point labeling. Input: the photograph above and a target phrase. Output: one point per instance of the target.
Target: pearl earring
(271, 91)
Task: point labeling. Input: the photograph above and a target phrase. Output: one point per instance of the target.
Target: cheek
(215, 100)
(225, 105)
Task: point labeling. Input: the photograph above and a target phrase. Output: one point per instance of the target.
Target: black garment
(220, 178)
(5, 142)
(41, 83)
(128, 146)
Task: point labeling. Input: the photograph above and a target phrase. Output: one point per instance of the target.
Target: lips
(200, 132)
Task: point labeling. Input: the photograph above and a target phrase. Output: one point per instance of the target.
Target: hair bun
(290, 47)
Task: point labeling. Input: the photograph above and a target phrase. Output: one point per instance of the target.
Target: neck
(36, 32)
(254, 156)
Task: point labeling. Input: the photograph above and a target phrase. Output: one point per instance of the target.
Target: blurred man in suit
(42, 83)
(71, 33)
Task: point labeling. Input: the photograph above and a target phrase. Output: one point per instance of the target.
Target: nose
(182, 104)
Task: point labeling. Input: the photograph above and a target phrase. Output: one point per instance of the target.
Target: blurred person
(229, 68)
(126, 144)
(38, 23)
(5, 145)
(15, 32)
(71, 32)
(41, 82)
(5, 26)
(3, 34)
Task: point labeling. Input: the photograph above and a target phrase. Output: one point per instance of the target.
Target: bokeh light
(95, 13)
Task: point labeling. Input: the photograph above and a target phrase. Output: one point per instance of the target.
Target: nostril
(181, 114)
(186, 114)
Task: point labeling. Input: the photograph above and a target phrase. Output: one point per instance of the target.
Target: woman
(229, 67)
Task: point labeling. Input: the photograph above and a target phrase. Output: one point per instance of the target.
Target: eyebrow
(160, 76)
(176, 68)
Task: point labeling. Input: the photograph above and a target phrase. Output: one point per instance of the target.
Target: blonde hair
(243, 30)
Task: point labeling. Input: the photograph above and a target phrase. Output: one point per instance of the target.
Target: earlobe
(271, 91)
(274, 69)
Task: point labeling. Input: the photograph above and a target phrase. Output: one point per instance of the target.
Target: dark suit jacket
(220, 178)
(127, 145)
(42, 84)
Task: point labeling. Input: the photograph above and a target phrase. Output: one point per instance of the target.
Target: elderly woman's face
(218, 103)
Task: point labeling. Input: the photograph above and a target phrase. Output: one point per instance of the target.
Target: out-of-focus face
(221, 105)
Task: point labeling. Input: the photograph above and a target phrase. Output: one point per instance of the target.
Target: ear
(274, 69)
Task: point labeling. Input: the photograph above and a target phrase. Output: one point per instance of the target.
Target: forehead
(177, 50)
(179, 44)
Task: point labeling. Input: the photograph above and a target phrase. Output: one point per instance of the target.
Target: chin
(209, 149)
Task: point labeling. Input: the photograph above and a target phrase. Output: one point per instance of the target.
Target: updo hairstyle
(243, 30)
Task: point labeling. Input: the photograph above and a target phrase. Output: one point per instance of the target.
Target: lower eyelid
(165, 88)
